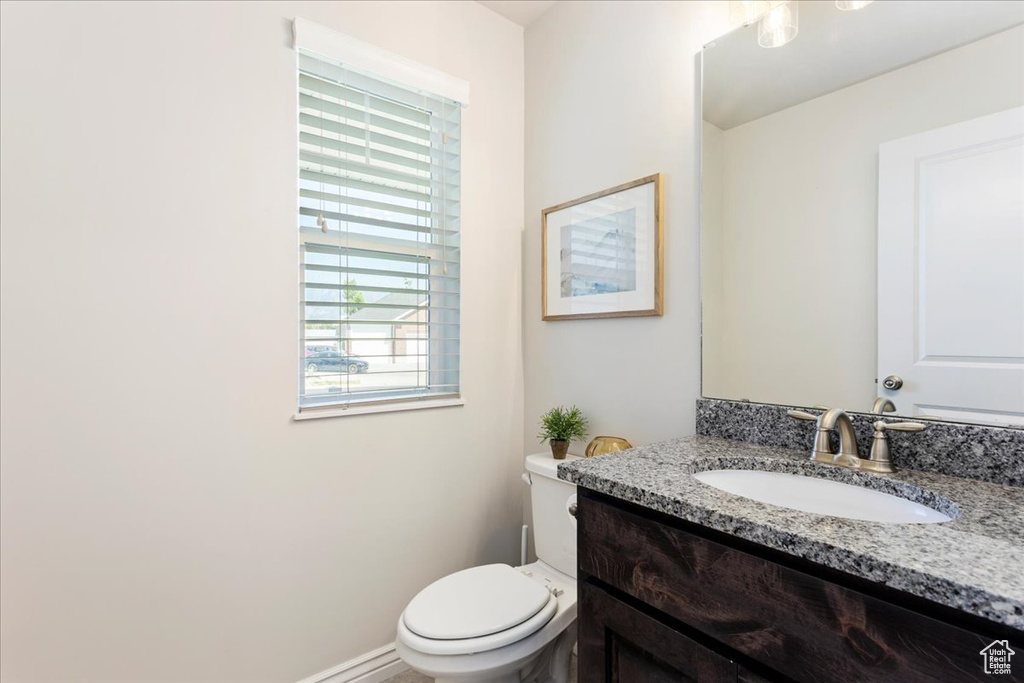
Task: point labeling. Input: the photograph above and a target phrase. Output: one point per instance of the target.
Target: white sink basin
(821, 496)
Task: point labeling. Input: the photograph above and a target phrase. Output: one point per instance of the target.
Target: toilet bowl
(501, 624)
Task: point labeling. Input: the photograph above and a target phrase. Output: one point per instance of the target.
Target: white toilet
(500, 624)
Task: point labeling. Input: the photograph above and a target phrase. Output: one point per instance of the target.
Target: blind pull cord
(320, 220)
(444, 198)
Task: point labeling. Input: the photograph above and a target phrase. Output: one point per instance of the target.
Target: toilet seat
(468, 646)
(476, 610)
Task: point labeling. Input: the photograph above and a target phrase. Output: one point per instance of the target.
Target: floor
(414, 677)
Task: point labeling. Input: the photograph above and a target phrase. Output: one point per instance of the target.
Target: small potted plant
(561, 425)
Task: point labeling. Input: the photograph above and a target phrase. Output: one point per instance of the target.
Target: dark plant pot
(559, 448)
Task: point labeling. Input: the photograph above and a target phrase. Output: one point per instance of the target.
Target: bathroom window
(379, 241)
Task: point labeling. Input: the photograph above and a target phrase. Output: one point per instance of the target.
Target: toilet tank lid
(545, 465)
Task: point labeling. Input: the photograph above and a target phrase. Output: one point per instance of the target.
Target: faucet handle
(880, 459)
(822, 449)
(899, 426)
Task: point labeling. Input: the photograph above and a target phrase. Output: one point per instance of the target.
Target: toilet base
(553, 664)
(550, 665)
(508, 678)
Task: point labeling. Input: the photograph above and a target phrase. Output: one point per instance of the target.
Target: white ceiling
(833, 49)
(523, 12)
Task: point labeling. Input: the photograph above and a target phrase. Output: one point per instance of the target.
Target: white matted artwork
(602, 254)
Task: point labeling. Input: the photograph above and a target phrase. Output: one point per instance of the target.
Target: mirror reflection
(863, 211)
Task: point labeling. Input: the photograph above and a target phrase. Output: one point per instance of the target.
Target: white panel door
(951, 270)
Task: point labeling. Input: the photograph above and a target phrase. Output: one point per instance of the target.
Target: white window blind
(379, 236)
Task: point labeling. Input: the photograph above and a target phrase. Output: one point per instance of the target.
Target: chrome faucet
(878, 461)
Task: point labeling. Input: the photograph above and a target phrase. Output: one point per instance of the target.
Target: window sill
(370, 409)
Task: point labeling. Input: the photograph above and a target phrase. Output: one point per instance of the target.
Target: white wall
(611, 97)
(796, 322)
(163, 518)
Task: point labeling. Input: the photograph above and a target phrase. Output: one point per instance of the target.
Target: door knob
(892, 382)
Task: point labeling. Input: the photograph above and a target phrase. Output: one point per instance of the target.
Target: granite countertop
(973, 563)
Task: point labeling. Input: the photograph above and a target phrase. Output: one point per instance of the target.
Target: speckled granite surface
(993, 454)
(974, 563)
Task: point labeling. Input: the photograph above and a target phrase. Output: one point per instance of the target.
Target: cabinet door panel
(620, 644)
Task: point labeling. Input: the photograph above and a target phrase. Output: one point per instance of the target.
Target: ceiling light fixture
(746, 12)
(850, 5)
(779, 25)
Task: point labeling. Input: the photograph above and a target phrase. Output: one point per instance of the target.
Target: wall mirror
(862, 211)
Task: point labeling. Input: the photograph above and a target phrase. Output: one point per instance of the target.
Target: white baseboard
(373, 667)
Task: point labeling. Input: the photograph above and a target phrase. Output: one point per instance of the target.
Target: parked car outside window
(317, 361)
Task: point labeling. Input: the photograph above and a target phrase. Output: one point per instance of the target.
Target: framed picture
(602, 255)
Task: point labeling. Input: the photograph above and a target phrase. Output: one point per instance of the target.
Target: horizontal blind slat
(332, 250)
(378, 271)
(349, 321)
(353, 96)
(321, 340)
(373, 288)
(365, 169)
(370, 373)
(438, 162)
(348, 171)
(451, 207)
(367, 119)
(316, 123)
(343, 181)
(376, 307)
(322, 142)
(363, 220)
(366, 203)
(312, 404)
(397, 357)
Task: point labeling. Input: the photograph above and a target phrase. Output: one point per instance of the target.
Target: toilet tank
(554, 529)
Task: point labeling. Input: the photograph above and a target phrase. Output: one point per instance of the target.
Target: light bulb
(850, 5)
(779, 26)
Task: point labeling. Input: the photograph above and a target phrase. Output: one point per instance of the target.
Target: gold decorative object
(606, 444)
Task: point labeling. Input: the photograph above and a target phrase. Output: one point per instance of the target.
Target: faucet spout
(836, 418)
(883, 405)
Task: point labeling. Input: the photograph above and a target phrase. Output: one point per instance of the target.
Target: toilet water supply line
(522, 541)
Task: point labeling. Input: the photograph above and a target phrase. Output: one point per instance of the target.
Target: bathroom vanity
(681, 581)
(860, 249)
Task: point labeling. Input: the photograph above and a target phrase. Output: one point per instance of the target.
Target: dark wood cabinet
(618, 642)
(664, 600)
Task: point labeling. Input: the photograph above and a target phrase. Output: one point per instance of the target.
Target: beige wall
(163, 518)
(611, 97)
(794, 319)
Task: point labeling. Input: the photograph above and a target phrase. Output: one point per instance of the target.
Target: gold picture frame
(602, 255)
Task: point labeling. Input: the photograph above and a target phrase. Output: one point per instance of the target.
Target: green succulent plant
(563, 424)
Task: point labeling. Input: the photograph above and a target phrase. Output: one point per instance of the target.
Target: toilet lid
(475, 602)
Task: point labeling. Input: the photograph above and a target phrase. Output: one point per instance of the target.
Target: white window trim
(370, 408)
(366, 57)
